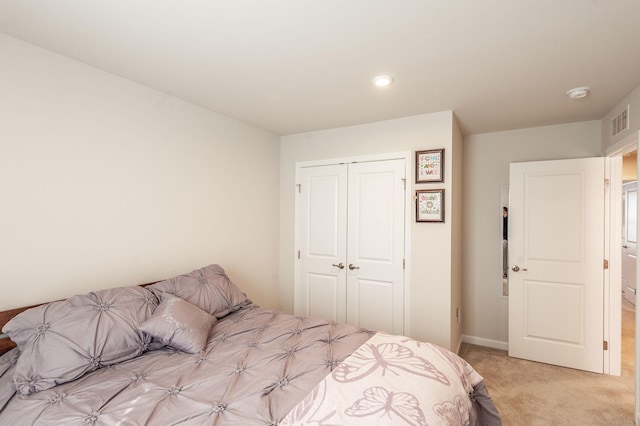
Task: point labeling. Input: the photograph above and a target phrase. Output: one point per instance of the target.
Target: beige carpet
(530, 393)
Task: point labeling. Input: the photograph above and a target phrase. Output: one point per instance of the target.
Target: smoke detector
(578, 92)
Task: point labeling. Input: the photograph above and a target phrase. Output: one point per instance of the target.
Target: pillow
(7, 366)
(179, 324)
(61, 341)
(208, 288)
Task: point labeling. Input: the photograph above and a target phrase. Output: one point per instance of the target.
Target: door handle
(516, 268)
(352, 266)
(339, 265)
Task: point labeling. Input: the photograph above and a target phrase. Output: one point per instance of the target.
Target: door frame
(613, 276)
(627, 188)
(617, 150)
(613, 241)
(407, 218)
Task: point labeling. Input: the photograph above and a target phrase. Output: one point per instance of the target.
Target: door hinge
(299, 185)
(404, 183)
(605, 345)
(605, 264)
(298, 254)
(403, 263)
(606, 183)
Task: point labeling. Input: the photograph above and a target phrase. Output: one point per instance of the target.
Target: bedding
(63, 340)
(257, 367)
(208, 288)
(179, 324)
(393, 380)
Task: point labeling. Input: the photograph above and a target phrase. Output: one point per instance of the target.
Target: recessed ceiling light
(382, 80)
(578, 92)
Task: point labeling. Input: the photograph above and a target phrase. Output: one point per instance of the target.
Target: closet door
(320, 288)
(350, 255)
(375, 245)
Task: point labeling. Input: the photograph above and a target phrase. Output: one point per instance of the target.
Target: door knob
(352, 266)
(339, 265)
(515, 268)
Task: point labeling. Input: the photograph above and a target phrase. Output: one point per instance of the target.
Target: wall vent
(620, 122)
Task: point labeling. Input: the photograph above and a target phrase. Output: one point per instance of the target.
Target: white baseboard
(480, 341)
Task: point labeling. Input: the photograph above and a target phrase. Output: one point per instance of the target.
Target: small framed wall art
(430, 205)
(430, 166)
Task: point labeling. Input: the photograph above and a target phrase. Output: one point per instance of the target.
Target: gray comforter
(257, 366)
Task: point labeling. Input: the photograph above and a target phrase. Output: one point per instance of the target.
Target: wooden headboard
(6, 344)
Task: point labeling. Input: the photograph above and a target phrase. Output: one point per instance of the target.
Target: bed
(194, 350)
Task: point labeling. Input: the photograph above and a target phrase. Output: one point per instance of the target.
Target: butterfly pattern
(389, 358)
(388, 405)
(453, 413)
(462, 368)
(391, 380)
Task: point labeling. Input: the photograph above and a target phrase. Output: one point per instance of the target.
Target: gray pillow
(7, 366)
(61, 341)
(208, 288)
(179, 324)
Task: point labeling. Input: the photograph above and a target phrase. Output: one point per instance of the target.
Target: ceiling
(292, 66)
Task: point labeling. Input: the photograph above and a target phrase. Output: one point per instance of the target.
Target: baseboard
(480, 341)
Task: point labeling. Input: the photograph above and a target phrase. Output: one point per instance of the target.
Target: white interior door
(350, 260)
(320, 288)
(629, 240)
(375, 246)
(556, 246)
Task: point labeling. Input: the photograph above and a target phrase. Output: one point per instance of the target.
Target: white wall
(104, 182)
(431, 243)
(610, 144)
(486, 159)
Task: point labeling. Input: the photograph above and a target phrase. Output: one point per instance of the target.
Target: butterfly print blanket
(395, 380)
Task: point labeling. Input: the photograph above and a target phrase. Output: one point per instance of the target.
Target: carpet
(531, 393)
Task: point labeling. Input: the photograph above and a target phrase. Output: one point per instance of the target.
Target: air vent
(620, 122)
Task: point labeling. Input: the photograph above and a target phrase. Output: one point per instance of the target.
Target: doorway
(612, 302)
(616, 152)
(629, 238)
(629, 222)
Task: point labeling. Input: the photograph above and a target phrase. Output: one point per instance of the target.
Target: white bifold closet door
(350, 229)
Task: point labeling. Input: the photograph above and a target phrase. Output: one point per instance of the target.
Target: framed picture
(430, 166)
(430, 205)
